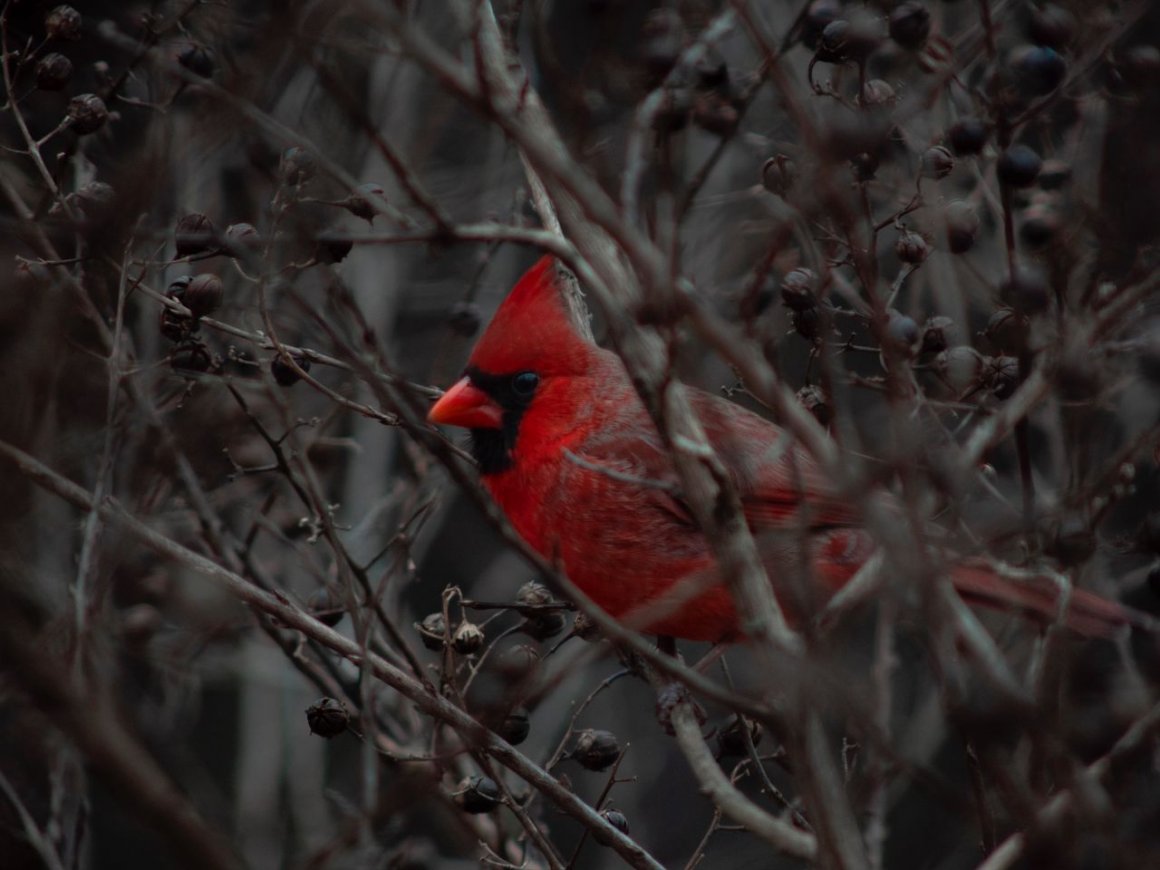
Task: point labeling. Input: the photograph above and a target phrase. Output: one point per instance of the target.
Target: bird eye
(525, 383)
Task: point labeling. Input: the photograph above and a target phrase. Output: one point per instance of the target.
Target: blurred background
(288, 173)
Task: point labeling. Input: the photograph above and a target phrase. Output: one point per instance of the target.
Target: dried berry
(468, 638)
(194, 234)
(967, 136)
(243, 236)
(1051, 25)
(901, 333)
(190, 358)
(833, 44)
(464, 319)
(910, 25)
(818, 14)
(325, 607)
(518, 661)
(478, 794)
(1001, 375)
(515, 726)
(297, 166)
(778, 174)
(934, 334)
(1040, 225)
(1007, 330)
(1018, 166)
(731, 740)
(539, 624)
(1026, 289)
(64, 23)
(814, 400)
(431, 631)
(797, 289)
(959, 367)
(542, 626)
(617, 819)
(962, 226)
(911, 248)
(937, 162)
(198, 59)
(362, 203)
(327, 718)
(53, 72)
(850, 39)
(1040, 69)
(283, 373)
(595, 749)
(203, 296)
(87, 114)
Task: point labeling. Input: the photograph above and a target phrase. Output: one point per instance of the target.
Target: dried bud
(333, 247)
(959, 367)
(297, 166)
(1026, 289)
(198, 59)
(515, 726)
(967, 136)
(1018, 166)
(63, 23)
(911, 248)
(325, 607)
(595, 749)
(87, 113)
(53, 72)
(194, 234)
(362, 205)
(478, 794)
(431, 631)
(814, 400)
(910, 25)
(468, 638)
(327, 718)
(243, 236)
(283, 373)
(937, 162)
(778, 174)
(204, 295)
(797, 289)
(731, 742)
(464, 319)
(934, 334)
(901, 333)
(962, 226)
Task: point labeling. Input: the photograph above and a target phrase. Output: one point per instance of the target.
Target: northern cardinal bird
(568, 450)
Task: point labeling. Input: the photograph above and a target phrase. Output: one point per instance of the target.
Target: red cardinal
(567, 449)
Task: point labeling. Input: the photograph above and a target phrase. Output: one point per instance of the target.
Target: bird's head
(528, 352)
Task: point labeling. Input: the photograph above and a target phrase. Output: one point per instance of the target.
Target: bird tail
(1038, 598)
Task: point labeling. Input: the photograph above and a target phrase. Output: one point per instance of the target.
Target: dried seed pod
(937, 162)
(515, 726)
(203, 296)
(468, 638)
(360, 204)
(63, 23)
(283, 373)
(198, 59)
(1001, 375)
(478, 794)
(731, 742)
(86, 114)
(53, 72)
(327, 718)
(194, 234)
(534, 594)
(464, 319)
(431, 631)
(814, 400)
(934, 334)
(910, 25)
(325, 607)
(911, 248)
(595, 749)
(798, 289)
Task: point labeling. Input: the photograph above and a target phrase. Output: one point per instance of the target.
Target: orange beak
(467, 406)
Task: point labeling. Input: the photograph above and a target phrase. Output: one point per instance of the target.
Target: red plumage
(571, 455)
